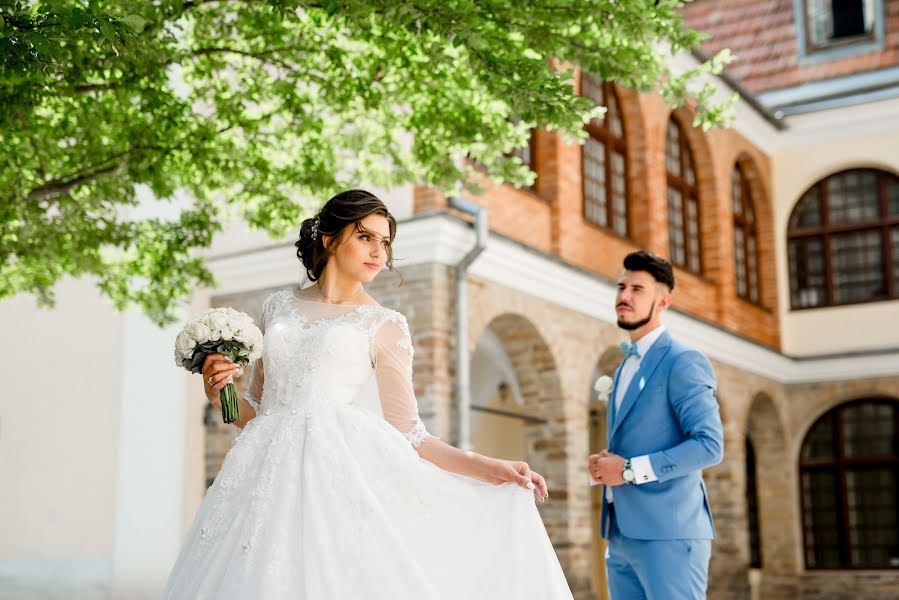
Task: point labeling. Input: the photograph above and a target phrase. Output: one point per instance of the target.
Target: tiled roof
(762, 34)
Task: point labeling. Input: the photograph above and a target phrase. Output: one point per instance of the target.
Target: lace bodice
(315, 352)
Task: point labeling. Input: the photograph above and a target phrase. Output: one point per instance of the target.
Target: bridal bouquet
(219, 331)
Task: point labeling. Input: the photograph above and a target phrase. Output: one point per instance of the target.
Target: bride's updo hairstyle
(346, 209)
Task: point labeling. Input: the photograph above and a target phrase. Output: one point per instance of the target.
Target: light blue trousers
(656, 569)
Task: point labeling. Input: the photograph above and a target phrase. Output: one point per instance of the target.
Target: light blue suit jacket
(674, 419)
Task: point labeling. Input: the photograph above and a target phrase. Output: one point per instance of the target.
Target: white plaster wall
(152, 440)
(95, 449)
(821, 144)
(843, 329)
(59, 414)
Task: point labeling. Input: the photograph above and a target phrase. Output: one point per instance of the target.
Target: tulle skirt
(332, 503)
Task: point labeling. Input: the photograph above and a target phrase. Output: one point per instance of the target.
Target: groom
(663, 430)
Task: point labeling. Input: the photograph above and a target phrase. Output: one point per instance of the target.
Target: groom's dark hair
(655, 265)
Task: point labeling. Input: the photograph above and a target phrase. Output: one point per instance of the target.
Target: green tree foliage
(221, 108)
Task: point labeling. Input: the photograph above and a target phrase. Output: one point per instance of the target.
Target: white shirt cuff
(643, 472)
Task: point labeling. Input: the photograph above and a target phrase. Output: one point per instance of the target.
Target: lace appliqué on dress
(417, 434)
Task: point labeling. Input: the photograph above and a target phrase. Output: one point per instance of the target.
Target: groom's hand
(606, 468)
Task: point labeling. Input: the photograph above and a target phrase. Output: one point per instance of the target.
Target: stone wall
(555, 353)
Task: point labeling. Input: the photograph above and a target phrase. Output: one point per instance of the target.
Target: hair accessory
(315, 223)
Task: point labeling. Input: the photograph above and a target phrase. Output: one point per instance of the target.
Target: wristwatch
(628, 473)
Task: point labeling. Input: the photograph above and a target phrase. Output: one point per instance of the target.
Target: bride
(334, 489)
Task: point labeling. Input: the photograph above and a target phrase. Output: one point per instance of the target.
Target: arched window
(844, 240)
(683, 200)
(746, 263)
(604, 165)
(849, 471)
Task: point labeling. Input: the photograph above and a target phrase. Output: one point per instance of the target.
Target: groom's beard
(637, 324)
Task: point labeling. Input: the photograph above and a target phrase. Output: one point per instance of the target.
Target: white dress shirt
(641, 466)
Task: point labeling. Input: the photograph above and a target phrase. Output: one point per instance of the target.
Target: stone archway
(559, 364)
(541, 397)
(776, 496)
(499, 418)
(548, 443)
(728, 569)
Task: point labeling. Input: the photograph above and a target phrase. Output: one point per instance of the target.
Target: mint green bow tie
(630, 350)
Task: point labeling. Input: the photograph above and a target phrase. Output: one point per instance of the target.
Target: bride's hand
(216, 371)
(519, 472)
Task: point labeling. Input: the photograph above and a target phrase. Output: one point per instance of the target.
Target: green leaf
(40, 43)
(78, 18)
(196, 364)
(107, 30)
(135, 22)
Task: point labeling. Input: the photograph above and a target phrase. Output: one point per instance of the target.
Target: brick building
(785, 231)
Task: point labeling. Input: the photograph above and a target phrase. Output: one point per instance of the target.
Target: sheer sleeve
(253, 393)
(392, 353)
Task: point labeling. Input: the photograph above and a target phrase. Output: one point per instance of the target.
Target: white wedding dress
(323, 497)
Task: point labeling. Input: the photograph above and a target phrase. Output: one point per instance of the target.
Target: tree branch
(63, 185)
(23, 25)
(58, 187)
(261, 56)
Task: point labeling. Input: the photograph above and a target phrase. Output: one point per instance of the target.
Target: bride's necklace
(337, 301)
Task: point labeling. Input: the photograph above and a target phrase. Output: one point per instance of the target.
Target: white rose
(255, 353)
(198, 331)
(217, 321)
(603, 387)
(184, 344)
(244, 336)
(227, 333)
